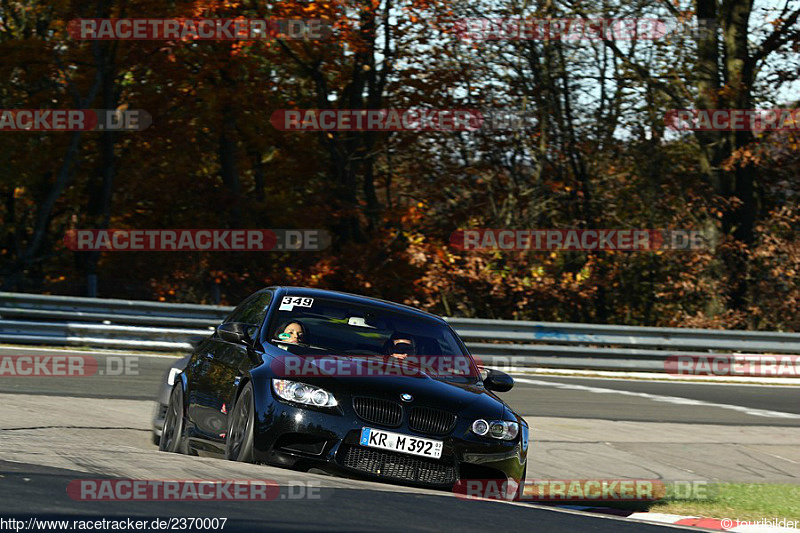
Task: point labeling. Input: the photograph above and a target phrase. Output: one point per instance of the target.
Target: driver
(293, 332)
(400, 345)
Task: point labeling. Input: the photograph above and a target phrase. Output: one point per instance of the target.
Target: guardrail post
(91, 285)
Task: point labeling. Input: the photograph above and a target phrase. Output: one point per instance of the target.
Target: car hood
(364, 376)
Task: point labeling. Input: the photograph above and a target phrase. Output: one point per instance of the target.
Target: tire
(239, 438)
(172, 439)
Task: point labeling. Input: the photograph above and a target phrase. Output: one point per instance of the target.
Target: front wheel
(239, 439)
(172, 434)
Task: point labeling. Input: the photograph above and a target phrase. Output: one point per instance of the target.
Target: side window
(256, 310)
(252, 310)
(236, 313)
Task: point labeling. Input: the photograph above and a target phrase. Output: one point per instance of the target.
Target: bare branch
(777, 38)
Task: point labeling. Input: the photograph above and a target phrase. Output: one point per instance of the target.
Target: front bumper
(293, 436)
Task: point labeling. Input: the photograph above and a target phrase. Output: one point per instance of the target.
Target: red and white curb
(769, 525)
(725, 524)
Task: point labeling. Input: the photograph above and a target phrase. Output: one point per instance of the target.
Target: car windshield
(332, 327)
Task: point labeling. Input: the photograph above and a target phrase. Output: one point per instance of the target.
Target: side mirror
(235, 332)
(498, 381)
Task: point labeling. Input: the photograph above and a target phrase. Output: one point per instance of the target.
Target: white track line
(675, 400)
(660, 377)
(632, 377)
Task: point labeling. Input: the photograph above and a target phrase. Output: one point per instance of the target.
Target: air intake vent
(398, 466)
(377, 411)
(432, 421)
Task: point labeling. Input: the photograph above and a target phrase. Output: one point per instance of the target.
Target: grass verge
(737, 501)
(742, 501)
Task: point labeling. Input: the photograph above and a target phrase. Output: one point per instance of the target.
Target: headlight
(480, 427)
(294, 391)
(497, 429)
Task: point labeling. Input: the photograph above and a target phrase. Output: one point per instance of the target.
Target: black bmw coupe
(308, 378)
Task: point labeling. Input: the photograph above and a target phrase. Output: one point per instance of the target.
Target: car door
(215, 371)
(236, 359)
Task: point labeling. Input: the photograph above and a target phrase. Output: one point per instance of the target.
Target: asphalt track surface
(29, 491)
(99, 440)
(588, 398)
(647, 401)
(775, 398)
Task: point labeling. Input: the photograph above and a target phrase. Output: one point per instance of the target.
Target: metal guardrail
(107, 323)
(104, 323)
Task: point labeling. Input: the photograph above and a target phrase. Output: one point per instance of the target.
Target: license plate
(377, 438)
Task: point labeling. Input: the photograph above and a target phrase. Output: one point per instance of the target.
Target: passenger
(400, 345)
(293, 332)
